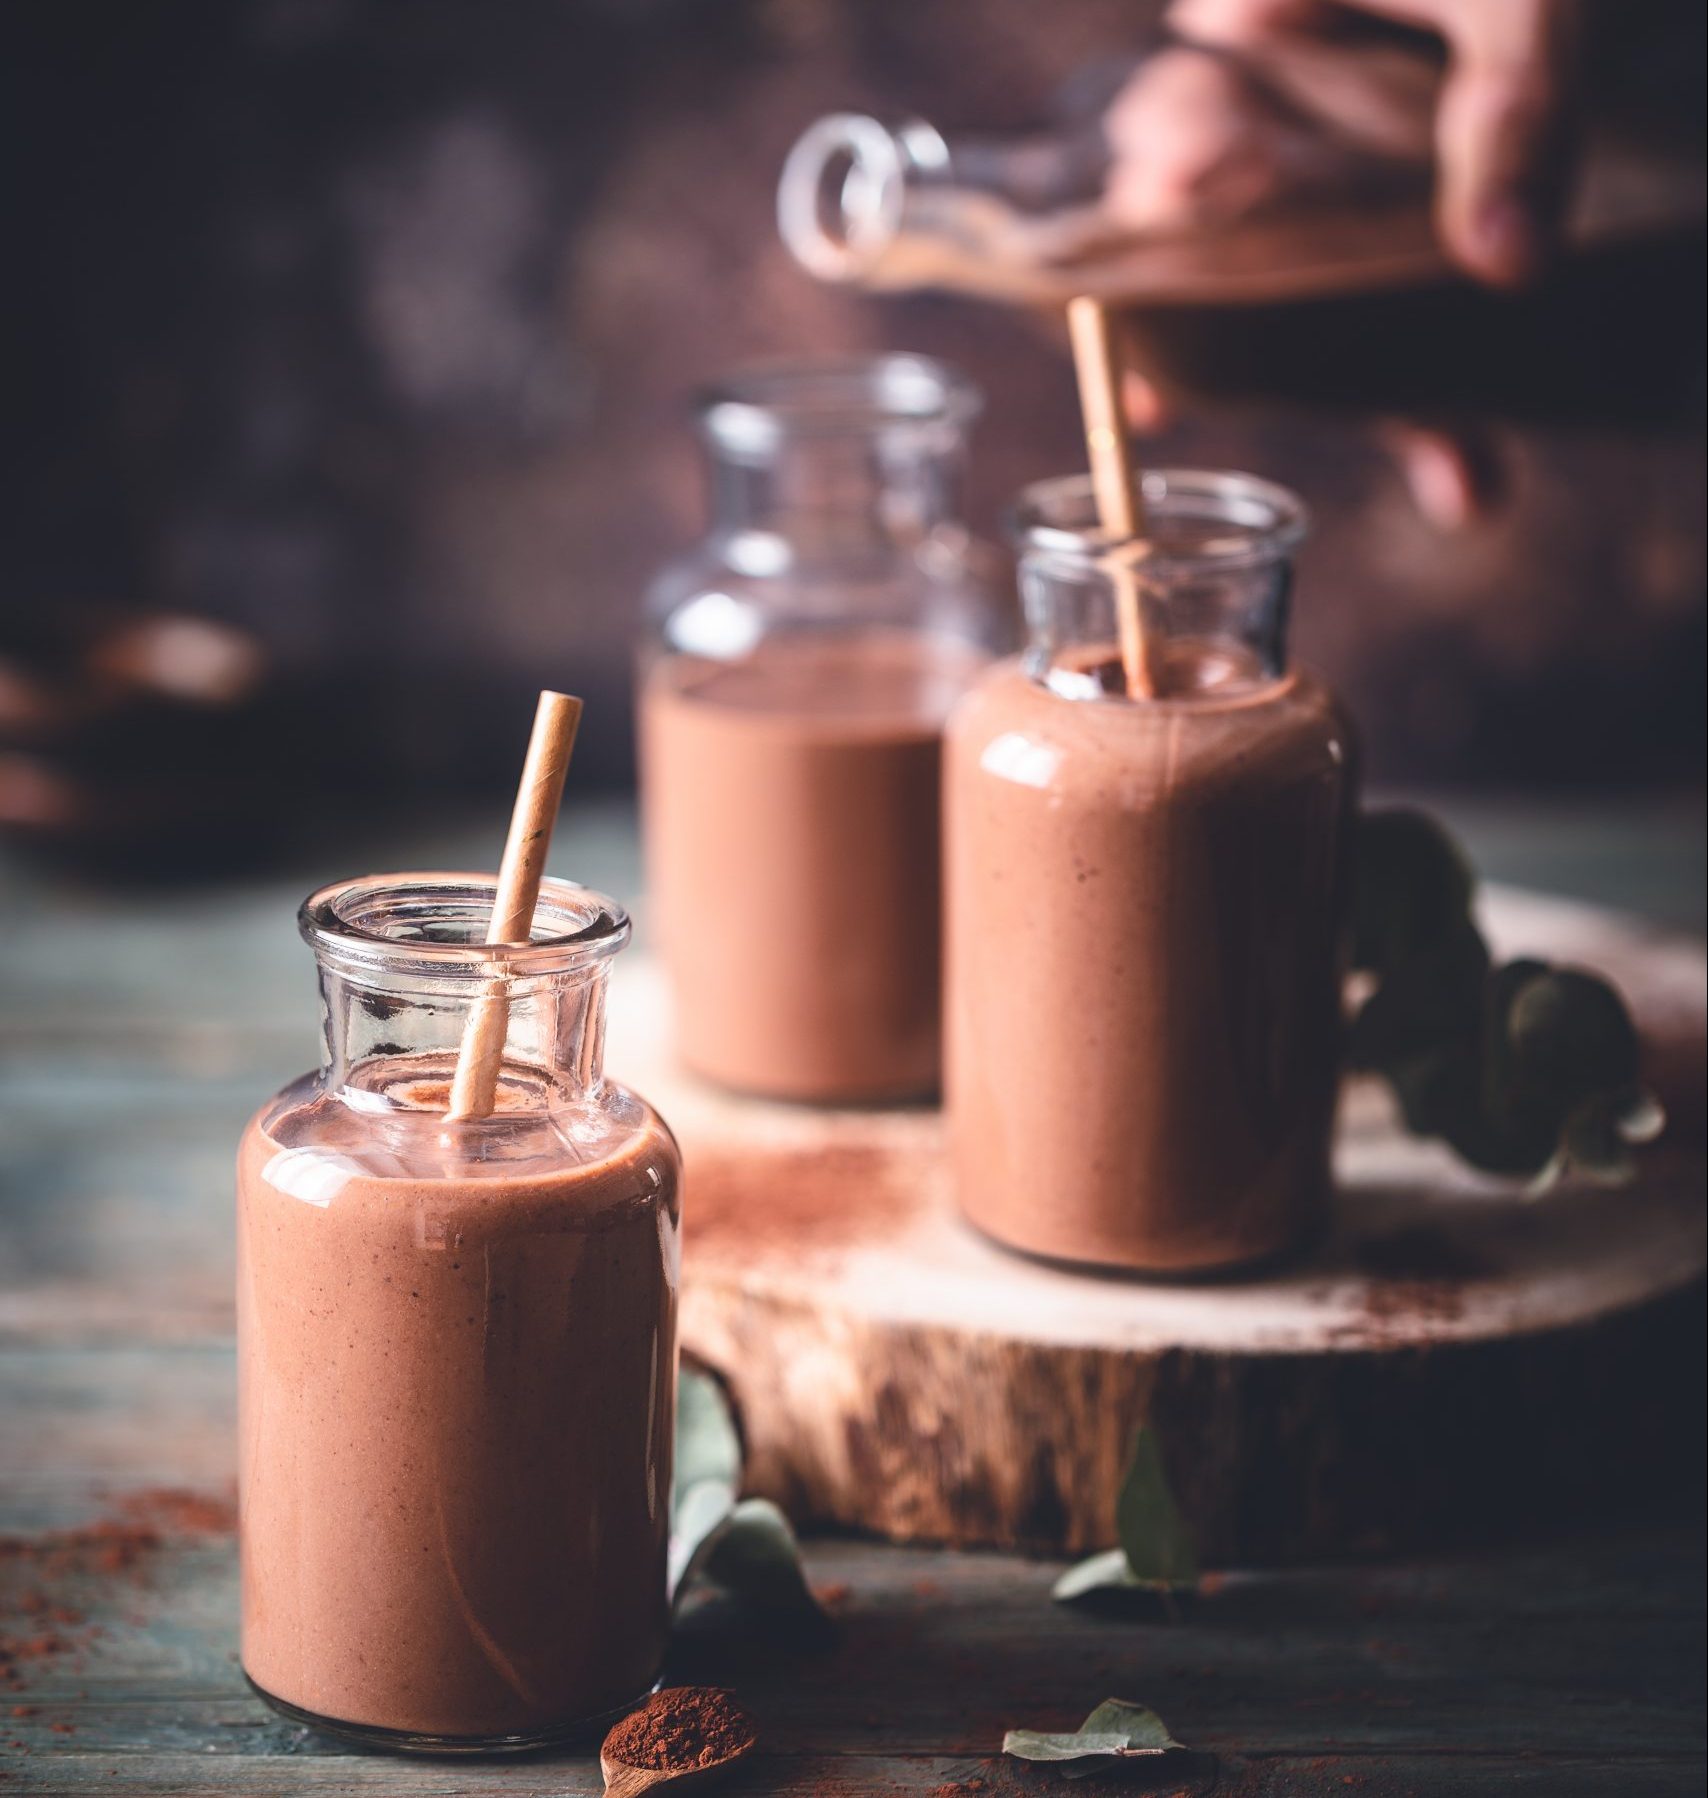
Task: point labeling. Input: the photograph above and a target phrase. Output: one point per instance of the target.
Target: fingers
(1504, 133)
(1239, 22)
(1505, 123)
(1453, 477)
(1146, 410)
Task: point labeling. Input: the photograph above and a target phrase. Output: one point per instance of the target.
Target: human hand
(1506, 115)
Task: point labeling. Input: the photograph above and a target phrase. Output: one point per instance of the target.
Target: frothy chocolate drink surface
(457, 1370)
(1145, 903)
(791, 812)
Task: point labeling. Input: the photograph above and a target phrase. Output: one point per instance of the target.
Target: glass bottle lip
(1251, 522)
(386, 925)
(843, 189)
(751, 412)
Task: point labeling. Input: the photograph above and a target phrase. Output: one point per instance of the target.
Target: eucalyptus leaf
(1571, 1034)
(1154, 1537)
(1106, 1572)
(755, 1554)
(1413, 888)
(1525, 1070)
(743, 1545)
(1157, 1553)
(708, 1446)
(1116, 1730)
(695, 1520)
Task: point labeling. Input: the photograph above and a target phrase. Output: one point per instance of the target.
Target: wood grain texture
(137, 1032)
(1426, 1373)
(1458, 1675)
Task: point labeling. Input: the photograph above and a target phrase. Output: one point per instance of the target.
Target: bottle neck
(815, 499)
(404, 969)
(860, 200)
(1209, 586)
(387, 1045)
(838, 463)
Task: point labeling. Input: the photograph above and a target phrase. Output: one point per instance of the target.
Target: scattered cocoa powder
(111, 1547)
(737, 1202)
(680, 1729)
(1417, 1275)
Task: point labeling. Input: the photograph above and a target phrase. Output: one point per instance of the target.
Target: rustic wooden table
(136, 1033)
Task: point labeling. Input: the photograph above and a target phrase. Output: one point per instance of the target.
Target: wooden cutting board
(1456, 1358)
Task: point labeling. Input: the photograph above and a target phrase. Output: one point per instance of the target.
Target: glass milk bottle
(793, 694)
(1146, 896)
(1200, 174)
(1264, 226)
(456, 1340)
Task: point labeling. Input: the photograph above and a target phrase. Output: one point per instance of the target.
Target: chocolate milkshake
(802, 661)
(456, 1342)
(1145, 902)
(792, 817)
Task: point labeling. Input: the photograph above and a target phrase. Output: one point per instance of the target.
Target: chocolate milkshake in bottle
(1145, 896)
(456, 1338)
(792, 707)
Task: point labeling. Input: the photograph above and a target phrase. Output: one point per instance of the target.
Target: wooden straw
(537, 799)
(1120, 503)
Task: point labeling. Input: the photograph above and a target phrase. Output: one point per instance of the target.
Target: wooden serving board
(1455, 1358)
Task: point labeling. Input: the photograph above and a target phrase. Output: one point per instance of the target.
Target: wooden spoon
(624, 1781)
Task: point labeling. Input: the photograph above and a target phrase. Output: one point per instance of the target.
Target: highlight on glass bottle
(799, 668)
(456, 1338)
(1213, 575)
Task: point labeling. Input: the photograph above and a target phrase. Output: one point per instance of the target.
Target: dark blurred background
(355, 349)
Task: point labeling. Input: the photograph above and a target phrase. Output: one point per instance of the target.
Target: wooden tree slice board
(1454, 1357)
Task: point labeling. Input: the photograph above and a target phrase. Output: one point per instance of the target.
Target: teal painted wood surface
(136, 1033)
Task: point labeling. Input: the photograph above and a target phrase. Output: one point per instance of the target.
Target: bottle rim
(1057, 520)
(843, 189)
(751, 410)
(386, 924)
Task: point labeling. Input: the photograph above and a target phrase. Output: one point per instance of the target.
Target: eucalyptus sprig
(1524, 1069)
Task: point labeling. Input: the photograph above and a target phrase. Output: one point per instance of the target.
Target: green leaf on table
(756, 1555)
(708, 1446)
(1598, 1136)
(696, 1519)
(1412, 888)
(1105, 1572)
(1524, 1070)
(1570, 1035)
(1157, 1552)
(744, 1545)
(1115, 1731)
(1158, 1545)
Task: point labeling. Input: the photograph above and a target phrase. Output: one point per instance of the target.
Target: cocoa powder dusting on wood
(1414, 1276)
(736, 1199)
(681, 1729)
(42, 1575)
